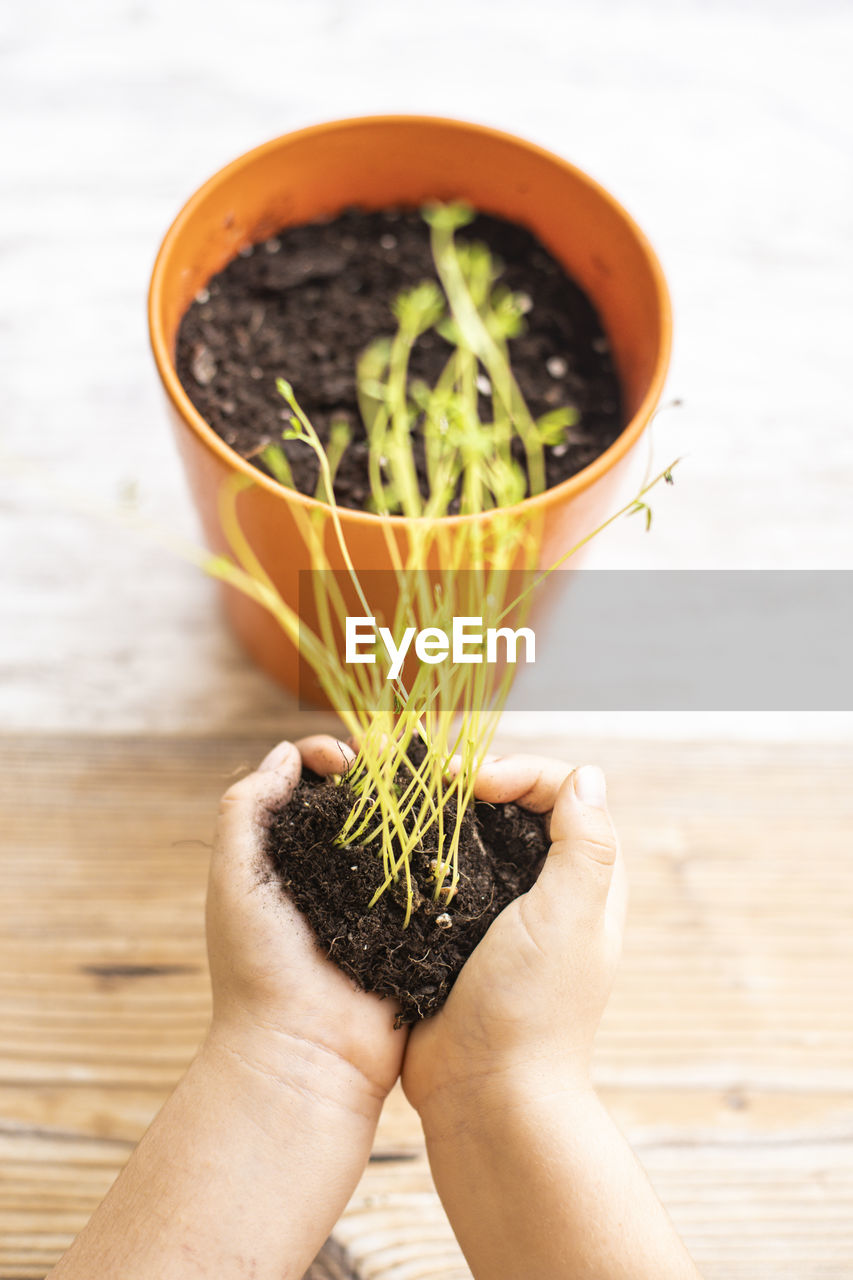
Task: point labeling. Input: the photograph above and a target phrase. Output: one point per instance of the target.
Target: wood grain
(726, 1053)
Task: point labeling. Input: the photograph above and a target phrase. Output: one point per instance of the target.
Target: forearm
(537, 1181)
(243, 1173)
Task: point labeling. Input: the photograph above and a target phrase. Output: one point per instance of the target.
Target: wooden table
(726, 1053)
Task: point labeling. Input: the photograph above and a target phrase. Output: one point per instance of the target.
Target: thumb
(578, 871)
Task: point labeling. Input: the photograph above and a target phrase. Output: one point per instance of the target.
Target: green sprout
(481, 451)
(638, 507)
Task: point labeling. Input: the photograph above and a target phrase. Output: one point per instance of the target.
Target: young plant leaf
(418, 309)
(554, 425)
(449, 217)
(340, 435)
(642, 506)
(275, 459)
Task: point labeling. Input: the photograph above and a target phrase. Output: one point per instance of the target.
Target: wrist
(488, 1101)
(288, 1073)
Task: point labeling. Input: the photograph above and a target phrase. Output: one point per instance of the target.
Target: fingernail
(590, 786)
(276, 757)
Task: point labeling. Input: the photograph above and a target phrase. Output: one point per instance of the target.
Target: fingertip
(590, 786)
(580, 818)
(533, 782)
(323, 754)
(583, 789)
(282, 756)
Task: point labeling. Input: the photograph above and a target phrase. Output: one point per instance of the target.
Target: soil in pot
(305, 303)
(500, 855)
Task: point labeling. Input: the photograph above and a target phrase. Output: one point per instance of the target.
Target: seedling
(467, 445)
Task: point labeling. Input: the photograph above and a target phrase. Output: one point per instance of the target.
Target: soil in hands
(501, 853)
(304, 304)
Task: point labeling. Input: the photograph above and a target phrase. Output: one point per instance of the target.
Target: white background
(725, 129)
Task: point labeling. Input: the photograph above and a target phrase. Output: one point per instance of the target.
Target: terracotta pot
(406, 160)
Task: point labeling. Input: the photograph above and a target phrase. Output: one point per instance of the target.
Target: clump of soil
(304, 304)
(501, 851)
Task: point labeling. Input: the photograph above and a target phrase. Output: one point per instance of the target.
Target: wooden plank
(726, 1053)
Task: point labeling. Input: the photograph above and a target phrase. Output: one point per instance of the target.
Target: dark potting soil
(501, 851)
(304, 304)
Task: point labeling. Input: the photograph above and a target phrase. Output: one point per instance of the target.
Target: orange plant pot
(376, 162)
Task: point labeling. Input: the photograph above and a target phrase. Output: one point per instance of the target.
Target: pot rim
(558, 494)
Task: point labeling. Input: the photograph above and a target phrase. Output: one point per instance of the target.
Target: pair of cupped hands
(529, 998)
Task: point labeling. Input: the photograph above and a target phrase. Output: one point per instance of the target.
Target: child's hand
(534, 1176)
(529, 999)
(277, 1001)
(253, 1158)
